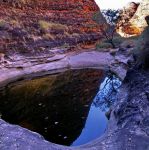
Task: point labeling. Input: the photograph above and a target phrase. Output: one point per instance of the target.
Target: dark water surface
(66, 108)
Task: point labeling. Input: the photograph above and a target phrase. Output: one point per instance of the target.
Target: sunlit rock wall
(133, 19)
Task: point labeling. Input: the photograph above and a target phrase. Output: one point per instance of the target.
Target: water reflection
(95, 126)
(55, 106)
(107, 93)
(96, 122)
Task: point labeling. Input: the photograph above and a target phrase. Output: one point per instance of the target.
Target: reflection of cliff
(55, 106)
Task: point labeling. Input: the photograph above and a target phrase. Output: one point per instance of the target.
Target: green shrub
(2, 23)
(44, 25)
(118, 40)
(65, 45)
(103, 45)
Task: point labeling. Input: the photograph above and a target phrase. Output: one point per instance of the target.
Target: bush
(2, 23)
(44, 25)
(15, 23)
(103, 46)
(65, 45)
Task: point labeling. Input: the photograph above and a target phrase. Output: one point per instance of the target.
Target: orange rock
(133, 18)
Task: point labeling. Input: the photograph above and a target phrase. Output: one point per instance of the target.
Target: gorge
(51, 71)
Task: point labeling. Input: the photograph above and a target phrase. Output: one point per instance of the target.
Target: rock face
(141, 50)
(138, 20)
(133, 18)
(126, 14)
(39, 25)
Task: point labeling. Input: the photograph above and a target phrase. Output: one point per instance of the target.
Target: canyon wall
(133, 18)
(38, 25)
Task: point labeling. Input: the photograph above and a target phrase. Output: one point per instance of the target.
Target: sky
(113, 4)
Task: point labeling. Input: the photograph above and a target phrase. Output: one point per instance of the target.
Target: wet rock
(108, 114)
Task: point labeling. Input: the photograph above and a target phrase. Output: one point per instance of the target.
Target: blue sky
(113, 4)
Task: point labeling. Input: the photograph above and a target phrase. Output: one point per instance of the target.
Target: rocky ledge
(19, 67)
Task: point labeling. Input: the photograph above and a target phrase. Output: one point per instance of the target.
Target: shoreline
(119, 126)
(34, 67)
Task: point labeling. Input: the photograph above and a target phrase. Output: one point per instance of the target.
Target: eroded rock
(133, 19)
(37, 26)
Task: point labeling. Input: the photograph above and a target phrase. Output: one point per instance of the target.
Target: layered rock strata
(37, 26)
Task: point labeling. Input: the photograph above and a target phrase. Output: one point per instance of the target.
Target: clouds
(114, 4)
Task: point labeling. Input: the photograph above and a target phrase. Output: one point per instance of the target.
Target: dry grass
(15, 23)
(44, 25)
(48, 36)
(2, 23)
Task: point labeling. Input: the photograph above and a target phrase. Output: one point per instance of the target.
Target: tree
(107, 94)
(107, 20)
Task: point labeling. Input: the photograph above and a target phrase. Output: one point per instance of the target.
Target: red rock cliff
(35, 25)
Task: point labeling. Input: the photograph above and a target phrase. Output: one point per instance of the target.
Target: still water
(96, 121)
(66, 108)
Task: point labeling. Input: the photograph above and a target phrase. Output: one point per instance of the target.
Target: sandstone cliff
(37, 25)
(133, 18)
(138, 20)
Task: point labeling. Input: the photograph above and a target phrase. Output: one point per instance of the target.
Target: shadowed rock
(141, 50)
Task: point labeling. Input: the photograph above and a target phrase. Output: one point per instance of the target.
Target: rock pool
(66, 108)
